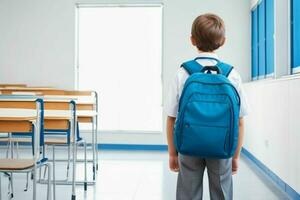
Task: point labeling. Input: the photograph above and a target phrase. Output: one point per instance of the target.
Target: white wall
(272, 128)
(38, 43)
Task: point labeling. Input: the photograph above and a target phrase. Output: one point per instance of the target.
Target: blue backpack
(208, 114)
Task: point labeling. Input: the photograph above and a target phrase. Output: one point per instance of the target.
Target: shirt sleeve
(237, 82)
(172, 101)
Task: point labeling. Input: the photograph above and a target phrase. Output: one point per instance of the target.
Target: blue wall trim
(283, 185)
(135, 147)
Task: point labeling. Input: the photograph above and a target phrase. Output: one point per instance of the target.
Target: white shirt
(177, 85)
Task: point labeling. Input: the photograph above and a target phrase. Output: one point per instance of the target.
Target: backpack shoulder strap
(192, 66)
(226, 68)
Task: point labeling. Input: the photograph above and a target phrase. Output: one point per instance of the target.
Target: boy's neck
(206, 52)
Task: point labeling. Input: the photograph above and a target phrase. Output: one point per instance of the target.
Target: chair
(60, 118)
(24, 115)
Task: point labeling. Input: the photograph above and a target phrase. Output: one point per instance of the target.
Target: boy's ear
(193, 41)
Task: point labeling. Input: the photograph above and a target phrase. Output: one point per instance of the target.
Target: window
(254, 45)
(119, 52)
(263, 40)
(270, 61)
(295, 58)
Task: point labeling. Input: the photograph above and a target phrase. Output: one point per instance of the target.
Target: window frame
(263, 63)
(76, 58)
(261, 39)
(270, 38)
(254, 43)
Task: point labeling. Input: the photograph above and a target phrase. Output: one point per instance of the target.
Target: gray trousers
(190, 178)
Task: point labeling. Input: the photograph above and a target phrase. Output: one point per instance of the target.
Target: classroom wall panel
(272, 127)
(294, 136)
(38, 43)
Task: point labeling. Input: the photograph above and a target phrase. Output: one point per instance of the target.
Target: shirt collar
(208, 54)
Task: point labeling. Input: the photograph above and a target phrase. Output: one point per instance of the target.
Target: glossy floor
(139, 175)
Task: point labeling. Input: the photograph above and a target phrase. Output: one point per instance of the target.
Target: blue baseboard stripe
(283, 185)
(135, 147)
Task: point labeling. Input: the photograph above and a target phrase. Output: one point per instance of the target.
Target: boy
(208, 34)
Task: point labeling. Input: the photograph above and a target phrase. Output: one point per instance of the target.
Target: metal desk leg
(34, 183)
(49, 183)
(96, 107)
(53, 157)
(93, 147)
(96, 134)
(68, 165)
(74, 172)
(74, 129)
(85, 170)
(0, 187)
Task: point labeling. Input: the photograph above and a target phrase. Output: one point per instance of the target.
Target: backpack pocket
(204, 141)
(206, 128)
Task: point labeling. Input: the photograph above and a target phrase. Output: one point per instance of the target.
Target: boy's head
(208, 32)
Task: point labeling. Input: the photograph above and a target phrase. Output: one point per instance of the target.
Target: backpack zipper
(184, 89)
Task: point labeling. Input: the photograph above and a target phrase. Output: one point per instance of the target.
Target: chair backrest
(60, 115)
(23, 114)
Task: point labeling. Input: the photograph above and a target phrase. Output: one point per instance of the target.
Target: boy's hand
(235, 159)
(173, 163)
(173, 156)
(235, 165)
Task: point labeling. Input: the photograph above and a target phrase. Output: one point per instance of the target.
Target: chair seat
(16, 164)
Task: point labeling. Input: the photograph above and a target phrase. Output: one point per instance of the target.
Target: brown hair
(208, 31)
